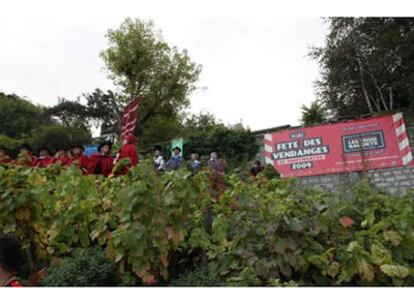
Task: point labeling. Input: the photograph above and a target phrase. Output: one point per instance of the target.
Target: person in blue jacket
(176, 159)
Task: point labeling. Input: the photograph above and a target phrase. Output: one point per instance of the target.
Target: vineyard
(264, 232)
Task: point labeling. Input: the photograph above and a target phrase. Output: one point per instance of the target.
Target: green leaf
(395, 271)
(380, 255)
(281, 245)
(393, 236)
(366, 271)
(296, 225)
(333, 269)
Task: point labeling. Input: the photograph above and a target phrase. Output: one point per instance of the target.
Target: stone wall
(394, 180)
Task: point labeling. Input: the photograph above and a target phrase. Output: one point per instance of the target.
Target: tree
(204, 134)
(367, 65)
(142, 64)
(19, 118)
(10, 143)
(314, 114)
(70, 113)
(201, 121)
(21, 121)
(105, 109)
(58, 136)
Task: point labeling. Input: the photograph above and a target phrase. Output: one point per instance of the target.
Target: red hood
(131, 139)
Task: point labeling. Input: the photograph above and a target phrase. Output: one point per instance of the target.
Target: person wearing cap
(62, 157)
(176, 159)
(101, 163)
(45, 159)
(10, 261)
(79, 158)
(25, 156)
(158, 160)
(4, 157)
(128, 150)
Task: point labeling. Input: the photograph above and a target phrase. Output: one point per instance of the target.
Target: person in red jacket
(45, 159)
(101, 163)
(79, 158)
(10, 260)
(62, 157)
(128, 150)
(25, 156)
(4, 158)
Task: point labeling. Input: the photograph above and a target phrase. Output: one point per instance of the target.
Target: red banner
(129, 118)
(357, 145)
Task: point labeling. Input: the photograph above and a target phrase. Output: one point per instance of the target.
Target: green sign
(177, 142)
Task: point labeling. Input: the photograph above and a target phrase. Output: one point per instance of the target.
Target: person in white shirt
(159, 163)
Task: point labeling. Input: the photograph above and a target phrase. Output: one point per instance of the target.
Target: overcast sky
(254, 63)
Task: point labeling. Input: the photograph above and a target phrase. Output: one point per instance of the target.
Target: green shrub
(200, 276)
(270, 172)
(264, 232)
(88, 267)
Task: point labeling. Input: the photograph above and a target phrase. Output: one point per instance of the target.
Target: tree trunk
(374, 80)
(391, 99)
(361, 76)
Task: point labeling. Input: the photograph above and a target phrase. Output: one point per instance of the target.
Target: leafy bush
(271, 231)
(88, 267)
(9, 143)
(270, 172)
(265, 232)
(200, 276)
(139, 218)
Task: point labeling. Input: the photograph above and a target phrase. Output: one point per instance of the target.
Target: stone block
(394, 190)
(387, 173)
(374, 175)
(400, 177)
(382, 185)
(326, 179)
(314, 181)
(329, 185)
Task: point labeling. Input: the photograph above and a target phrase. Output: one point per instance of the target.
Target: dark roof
(269, 130)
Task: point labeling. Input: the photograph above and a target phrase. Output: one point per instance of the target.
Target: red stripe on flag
(129, 117)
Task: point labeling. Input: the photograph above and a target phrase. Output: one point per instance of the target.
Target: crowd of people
(194, 164)
(99, 163)
(102, 162)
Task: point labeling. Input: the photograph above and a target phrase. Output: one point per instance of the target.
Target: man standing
(128, 150)
(25, 156)
(79, 157)
(256, 168)
(45, 159)
(158, 160)
(216, 164)
(4, 158)
(194, 164)
(101, 163)
(176, 159)
(62, 157)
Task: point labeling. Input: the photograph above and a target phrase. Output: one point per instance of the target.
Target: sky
(255, 65)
